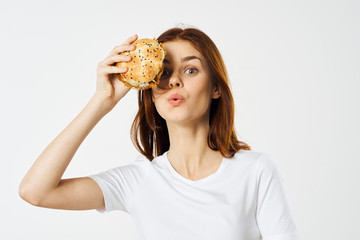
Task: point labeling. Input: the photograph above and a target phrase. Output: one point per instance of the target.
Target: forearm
(45, 174)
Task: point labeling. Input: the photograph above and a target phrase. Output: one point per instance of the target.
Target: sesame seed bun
(146, 66)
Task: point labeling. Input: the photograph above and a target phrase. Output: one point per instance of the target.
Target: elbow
(28, 195)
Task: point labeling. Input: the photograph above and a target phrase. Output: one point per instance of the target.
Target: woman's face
(185, 73)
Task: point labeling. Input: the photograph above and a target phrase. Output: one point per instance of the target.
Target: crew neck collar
(194, 182)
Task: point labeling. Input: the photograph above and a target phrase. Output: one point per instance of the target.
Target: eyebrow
(188, 58)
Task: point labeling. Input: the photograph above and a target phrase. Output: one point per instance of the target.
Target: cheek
(200, 89)
(157, 93)
(200, 97)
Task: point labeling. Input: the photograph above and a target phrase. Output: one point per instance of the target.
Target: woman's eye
(164, 74)
(192, 70)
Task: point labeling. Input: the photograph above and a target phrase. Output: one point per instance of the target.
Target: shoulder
(247, 154)
(267, 167)
(259, 160)
(247, 157)
(140, 164)
(254, 156)
(137, 169)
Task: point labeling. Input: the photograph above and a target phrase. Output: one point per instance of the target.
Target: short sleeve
(273, 212)
(119, 184)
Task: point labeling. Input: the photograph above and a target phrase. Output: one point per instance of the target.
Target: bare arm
(46, 172)
(42, 185)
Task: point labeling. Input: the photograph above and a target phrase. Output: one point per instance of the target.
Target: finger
(110, 60)
(122, 48)
(111, 69)
(131, 39)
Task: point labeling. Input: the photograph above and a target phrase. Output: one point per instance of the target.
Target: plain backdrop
(294, 73)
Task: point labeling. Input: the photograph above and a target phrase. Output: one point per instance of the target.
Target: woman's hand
(108, 87)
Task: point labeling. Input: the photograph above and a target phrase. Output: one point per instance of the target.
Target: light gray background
(294, 72)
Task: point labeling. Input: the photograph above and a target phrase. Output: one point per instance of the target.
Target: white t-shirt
(245, 199)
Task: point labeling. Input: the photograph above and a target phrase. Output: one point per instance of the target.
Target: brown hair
(152, 127)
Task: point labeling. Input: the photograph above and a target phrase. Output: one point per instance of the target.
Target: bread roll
(146, 66)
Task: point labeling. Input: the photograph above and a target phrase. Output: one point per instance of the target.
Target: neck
(188, 146)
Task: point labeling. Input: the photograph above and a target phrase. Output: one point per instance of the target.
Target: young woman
(193, 179)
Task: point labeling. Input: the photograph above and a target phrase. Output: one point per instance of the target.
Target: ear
(215, 93)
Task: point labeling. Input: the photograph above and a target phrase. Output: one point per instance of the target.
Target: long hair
(152, 128)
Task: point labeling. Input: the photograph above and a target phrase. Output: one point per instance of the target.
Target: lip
(175, 102)
(175, 96)
(178, 97)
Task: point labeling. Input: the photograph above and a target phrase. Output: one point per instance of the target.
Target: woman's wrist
(101, 103)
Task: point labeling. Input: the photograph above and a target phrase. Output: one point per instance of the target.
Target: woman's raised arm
(42, 185)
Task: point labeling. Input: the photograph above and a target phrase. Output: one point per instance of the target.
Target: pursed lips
(175, 96)
(175, 99)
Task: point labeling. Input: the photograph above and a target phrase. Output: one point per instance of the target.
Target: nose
(175, 81)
